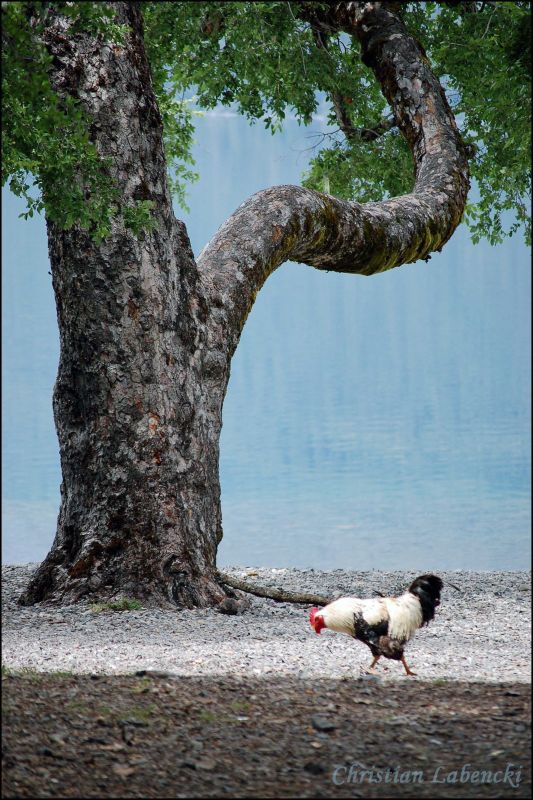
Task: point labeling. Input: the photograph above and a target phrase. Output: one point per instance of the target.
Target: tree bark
(147, 335)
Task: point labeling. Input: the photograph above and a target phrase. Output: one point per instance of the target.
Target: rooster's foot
(371, 670)
(407, 668)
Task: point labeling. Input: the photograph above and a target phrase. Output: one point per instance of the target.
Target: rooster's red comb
(312, 615)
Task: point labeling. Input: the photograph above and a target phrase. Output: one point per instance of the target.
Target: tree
(146, 332)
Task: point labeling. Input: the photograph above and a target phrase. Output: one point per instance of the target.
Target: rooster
(385, 624)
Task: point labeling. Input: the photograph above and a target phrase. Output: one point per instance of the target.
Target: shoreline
(480, 634)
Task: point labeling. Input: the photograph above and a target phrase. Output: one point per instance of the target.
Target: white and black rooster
(385, 624)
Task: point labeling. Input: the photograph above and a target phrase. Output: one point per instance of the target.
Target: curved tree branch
(291, 223)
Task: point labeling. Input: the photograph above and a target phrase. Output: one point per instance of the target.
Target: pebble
(477, 634)
(323, 724)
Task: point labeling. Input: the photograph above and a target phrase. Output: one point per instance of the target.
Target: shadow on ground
(156, 735)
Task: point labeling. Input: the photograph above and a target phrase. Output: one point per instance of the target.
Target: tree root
(279, 595)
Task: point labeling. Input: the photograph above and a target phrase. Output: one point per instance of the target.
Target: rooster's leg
(406, 665)
(371, 669)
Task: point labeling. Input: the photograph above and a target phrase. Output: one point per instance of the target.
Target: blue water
(378, 422)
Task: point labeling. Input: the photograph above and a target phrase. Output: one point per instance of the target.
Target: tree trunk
(147, 335)
(137, 401)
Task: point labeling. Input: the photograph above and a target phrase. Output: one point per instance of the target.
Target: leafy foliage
(45, 143)
(47, 155)
(363, 171)
(266, 60)
(484, 55)
(263, 59)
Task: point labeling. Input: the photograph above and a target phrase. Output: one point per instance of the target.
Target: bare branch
(363, 134)
(279, 595)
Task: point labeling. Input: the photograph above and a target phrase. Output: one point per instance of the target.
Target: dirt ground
(167, 736)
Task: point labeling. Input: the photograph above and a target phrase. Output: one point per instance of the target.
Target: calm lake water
(370, 423)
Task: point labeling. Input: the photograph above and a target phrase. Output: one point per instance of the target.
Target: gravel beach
(481, 633)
